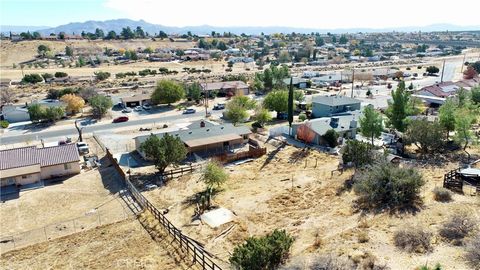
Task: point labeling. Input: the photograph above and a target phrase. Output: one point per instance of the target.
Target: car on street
(120, 119)
(219, 106)
(83, 148)
(189, 111)
(146, 107)
(127, 110)
(138, 109)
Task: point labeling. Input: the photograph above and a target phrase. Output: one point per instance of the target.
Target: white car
(127, 110)
(146, 107)
(138, 109)
(83, 148)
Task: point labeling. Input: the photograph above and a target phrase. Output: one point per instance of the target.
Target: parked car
(120, 119)
(146, 107)
(150, 186)
(219, 106)
(83, 148)
(282, 116)
(127, 110)
(189, 111)
(138, 109)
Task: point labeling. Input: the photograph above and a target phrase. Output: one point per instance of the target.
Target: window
(245, 137)
(24, 176)
(67, 166)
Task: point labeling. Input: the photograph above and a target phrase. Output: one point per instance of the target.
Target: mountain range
(117, 25)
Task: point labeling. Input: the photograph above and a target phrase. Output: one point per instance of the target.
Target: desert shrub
(426, 267)
(358, 153)
(385, 185)
(302, 117)
(441, 194)
(363, 237)
(413, 239)
(4, 124)
(324, 262)
(265, 252)
(457, 228)
(473, 251)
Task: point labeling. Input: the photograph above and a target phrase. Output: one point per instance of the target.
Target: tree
(53, 114)
(276, 101)
(446, 115)
(475, 95)
(60, 74)
(74, 103)
(42, 50)
(36, 112)
(127, 33)
(371, 123)
(432, 70)
(165, 151)
(343, 39)
(111, 35)
(194, 91)
(69, 51)
(384, 185)
(284, 57)
(100, 105)
(358, 153)
(425, 135)
(319, 41)
(102, 75)
(32, 78)
(167, 92)
(397, 109)
(259, 253)
(476, 66)
(290, 104)
(6, 96)
(331, 137)
(463, 125)
(237, 108)
(262, 116)
(470, 73)
(221, 46)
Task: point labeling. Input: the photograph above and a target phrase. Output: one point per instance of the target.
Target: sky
(299, 13)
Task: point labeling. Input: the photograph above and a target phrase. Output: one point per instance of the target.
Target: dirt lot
(123, 245)
(261, 195)
(85, 194)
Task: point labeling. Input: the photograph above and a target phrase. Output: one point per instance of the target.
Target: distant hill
(117, 25)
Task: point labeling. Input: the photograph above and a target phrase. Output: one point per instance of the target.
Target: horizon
(45, 14)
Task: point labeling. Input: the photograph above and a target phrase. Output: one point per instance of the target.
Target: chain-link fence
(63, 228)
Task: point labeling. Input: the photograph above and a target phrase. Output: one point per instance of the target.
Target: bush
(265, 252)
(441, 194)
(413, 239)
(358, 153)
(385, 185)
(302, 117)
(473, 251)
(100, 75)
(425, 267)
(32, 78)
(60, 74)
(457, 228)
(323, 262)
(4, 124)
(331, 137)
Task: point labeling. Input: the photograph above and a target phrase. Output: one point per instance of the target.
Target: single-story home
(296, 82)
(27, 165)
(323, 106)
(441, 90)
(14, 114)
(205, 138)
(313, 130)
(135, 100)
(230, 88)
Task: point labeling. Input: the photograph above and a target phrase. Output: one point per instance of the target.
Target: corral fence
(454, 181)
(99, 141)
(254, 151)
(190, 246)
(60, 229)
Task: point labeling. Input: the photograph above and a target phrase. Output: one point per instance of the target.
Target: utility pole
(353, 80)
(443, 71)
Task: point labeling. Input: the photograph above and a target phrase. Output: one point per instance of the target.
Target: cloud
(300, 13)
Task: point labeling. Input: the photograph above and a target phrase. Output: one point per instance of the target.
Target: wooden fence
(253, 152)
(452, 181)
(190, 246)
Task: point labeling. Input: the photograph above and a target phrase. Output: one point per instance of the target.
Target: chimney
(202, 124)
(353, 123)
(334, 122)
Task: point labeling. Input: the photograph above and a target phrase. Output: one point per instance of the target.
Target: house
(323, 106)
(135, 100)
(313, 130)
(230, 88)
(206, 138)
(27, 165)
(441, 90)
(296, 82)
(13, 113)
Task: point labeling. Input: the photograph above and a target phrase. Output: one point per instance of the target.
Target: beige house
(26, 165)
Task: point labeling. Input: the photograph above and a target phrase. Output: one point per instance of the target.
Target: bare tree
(6, 96)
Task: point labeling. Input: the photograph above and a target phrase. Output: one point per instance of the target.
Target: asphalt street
(37, 135)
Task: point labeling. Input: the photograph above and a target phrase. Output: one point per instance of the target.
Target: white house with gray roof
(323, 106)
(209, 138)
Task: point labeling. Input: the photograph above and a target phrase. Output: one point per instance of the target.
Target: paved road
(100, 127)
